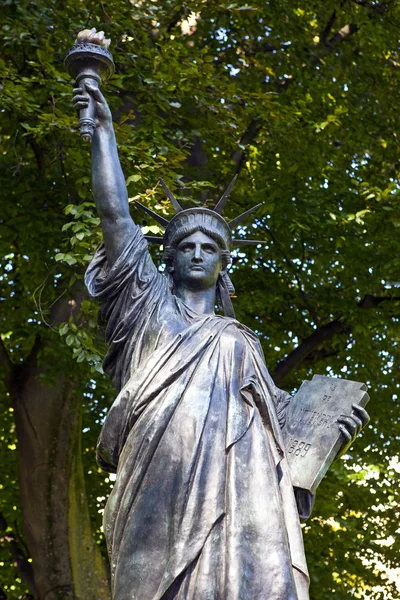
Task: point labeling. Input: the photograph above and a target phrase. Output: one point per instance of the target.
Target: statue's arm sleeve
(305, 503)
(282, 401)
(126, 290)
(304, 498)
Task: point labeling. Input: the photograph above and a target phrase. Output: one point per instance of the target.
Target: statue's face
(197, 262)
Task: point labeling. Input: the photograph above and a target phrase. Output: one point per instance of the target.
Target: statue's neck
(201, 301)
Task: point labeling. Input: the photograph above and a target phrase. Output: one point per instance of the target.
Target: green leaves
(134, 178)
(80, 335)
(67, 258)
(85, 234)
(309, 119)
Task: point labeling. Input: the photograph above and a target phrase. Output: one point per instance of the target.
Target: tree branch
(6, 364)
(343, 33)
(370, 301)
(255, 125)
(38, 152)
(380, 7)
(5, 360)
(20, 561)
(105, 12)
(248, 136)
(177, 17)
(18, 375)
(328, 27)
(252, 130)
(322, 334)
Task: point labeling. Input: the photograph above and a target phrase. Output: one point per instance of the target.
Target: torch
(89, 61)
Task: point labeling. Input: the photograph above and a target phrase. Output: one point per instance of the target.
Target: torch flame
(93, 37)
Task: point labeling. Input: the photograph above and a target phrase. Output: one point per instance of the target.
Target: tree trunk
(67, 563)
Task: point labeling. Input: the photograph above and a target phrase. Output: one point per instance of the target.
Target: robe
(203, 507)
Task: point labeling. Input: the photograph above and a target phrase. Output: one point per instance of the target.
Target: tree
(299, 98)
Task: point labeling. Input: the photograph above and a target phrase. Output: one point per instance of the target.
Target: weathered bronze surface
(311, 434)
(203, 506)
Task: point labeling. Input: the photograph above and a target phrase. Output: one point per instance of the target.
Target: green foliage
(300, 97)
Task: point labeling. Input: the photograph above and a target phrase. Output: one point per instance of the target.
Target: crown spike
(177, 207)
(219, 207)
(235, 222)
(154, 239)
(163, 222)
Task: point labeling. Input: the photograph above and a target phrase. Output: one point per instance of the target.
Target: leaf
(81, 357)
(70, 260)
(70, 339)
(133, 178)
(63, 329)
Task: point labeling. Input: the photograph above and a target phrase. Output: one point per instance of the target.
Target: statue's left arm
(349, 426)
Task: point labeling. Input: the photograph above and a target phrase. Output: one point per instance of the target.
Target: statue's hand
(350, 426)
(90, 94)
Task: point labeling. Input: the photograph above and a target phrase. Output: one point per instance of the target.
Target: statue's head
(197, 245)
(195, 262)
(197, 250)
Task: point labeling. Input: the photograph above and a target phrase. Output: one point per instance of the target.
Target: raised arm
(108, 180)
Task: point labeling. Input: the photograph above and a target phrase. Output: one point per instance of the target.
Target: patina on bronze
(203, 506)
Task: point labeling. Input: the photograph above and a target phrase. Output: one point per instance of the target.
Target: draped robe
(203, 506)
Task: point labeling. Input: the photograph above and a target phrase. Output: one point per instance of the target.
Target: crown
(185, 220)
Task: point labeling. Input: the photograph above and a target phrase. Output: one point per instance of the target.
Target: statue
(203, 506)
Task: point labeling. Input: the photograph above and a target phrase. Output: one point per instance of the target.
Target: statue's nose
(197, 256)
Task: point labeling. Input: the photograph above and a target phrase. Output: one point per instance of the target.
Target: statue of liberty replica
(203, 506)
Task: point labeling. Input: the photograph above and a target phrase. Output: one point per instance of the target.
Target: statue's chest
(164, 322)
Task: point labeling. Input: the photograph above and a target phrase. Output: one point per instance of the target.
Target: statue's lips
(197, 268)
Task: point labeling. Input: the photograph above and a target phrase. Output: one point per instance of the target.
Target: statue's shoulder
(236, 328)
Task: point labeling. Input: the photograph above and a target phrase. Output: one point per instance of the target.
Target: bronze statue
(203, 507)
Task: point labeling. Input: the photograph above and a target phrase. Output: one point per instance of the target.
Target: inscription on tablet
(311, 432)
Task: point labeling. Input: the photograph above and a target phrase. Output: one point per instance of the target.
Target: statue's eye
(186, 247)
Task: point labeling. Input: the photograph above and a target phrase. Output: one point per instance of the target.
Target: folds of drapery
(130, 292)
(194, 455)
(203, 505)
